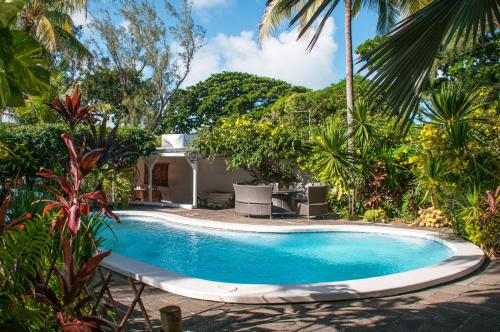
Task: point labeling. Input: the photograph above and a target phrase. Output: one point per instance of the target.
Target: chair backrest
(253, 194)
(317, 194)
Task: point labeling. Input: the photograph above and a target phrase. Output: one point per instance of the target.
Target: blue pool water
(270, 258)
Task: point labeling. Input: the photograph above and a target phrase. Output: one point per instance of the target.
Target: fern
(23, 255)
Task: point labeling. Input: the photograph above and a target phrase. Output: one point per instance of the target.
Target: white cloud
(198, 4)
(281, 57)
(125, 24)
(81, 18)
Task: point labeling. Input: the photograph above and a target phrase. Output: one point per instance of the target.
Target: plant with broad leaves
(493, 205)
(14, 223)
(23, 63)
(72, 282)
(70, 204)
(71, 110)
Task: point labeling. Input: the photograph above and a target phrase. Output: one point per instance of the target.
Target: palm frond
(69, 6)
(70, 43)
(400, 66)
(362, 129)
(276, 12)
(332, 159)
(409, 7)
(58, 18)
(44, 32)
(452, 102)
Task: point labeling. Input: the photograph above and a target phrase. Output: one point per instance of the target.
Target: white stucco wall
(212, 176)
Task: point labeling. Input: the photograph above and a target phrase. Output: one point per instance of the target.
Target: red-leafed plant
(492, 206)
(374, 188)
(71, 110)
(70, 206)
(72, 282)
(16, 222)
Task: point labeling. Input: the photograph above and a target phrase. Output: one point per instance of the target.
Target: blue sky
(231, 44)
(233, 16)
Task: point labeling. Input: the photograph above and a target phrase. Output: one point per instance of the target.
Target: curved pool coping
(467, 258)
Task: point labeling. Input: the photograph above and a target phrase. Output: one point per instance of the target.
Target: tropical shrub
(34, 143)
(375, 215)
(64, 260)
(410, 204)
(330, 160)
(28, 147)
(15, 161)
(481, 215)
(266, 149)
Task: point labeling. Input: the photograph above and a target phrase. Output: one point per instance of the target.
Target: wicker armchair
(253, 200)
(315, 204)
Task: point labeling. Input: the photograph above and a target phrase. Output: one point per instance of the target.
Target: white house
(179, 175)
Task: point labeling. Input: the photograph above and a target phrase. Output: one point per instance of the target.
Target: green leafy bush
(266, 149)
(481, 217)
(375, 215)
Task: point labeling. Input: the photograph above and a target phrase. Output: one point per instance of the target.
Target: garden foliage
(49, 258)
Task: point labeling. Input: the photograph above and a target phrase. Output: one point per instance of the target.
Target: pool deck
(229, 216)
(469, 304)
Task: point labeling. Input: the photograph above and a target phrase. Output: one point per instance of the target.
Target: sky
(231, 44)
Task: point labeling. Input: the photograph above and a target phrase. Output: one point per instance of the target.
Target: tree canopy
(227, 93)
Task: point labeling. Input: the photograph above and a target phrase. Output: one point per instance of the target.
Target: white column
(194, 165)
(151, 161)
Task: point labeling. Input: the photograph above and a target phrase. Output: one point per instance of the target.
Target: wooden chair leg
(110, 296)
(143, 309)
(132, 305)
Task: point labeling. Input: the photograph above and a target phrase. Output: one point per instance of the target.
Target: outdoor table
(283, 200)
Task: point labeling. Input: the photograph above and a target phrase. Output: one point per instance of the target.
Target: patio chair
(315, 203)
(253, 200)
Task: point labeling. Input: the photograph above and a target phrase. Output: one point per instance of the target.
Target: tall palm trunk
(349, 95)
(348, 72)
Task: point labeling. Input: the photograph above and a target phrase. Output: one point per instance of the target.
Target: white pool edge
(467, 258)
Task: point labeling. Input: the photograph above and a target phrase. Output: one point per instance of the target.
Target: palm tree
(50, 23)
(306, 12)
(400, 66)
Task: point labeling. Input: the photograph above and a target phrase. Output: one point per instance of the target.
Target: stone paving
(229, 216)
(469, 304)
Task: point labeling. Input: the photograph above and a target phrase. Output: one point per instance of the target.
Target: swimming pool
(254, 264)
(271, 258)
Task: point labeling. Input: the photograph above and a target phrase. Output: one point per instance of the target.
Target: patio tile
(439, 297)
(493, 279)
(454, 289)
(408, 323)
(480, 323)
